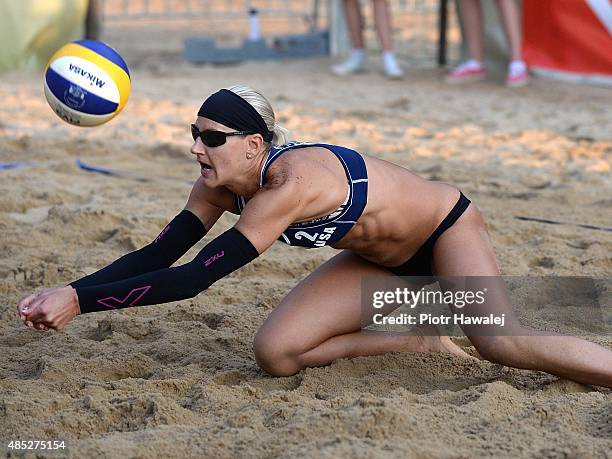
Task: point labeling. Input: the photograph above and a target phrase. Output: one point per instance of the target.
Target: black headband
(231, 110)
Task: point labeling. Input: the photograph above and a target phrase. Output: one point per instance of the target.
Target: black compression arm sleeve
(171, 244)
(220, 257)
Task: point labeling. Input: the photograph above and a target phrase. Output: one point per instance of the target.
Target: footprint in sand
(535, 182)
(228, 378)
(103, 331)
(31, 216)
(579, 244)
(542, 262)
(564, 386)
(213, 320)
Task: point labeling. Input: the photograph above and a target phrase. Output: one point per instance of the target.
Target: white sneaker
(354, 64)
(392, 68)
(517, 74)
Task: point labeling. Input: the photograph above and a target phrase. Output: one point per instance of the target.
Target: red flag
(568, 35)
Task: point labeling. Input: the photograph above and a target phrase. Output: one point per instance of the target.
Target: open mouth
(205, 166)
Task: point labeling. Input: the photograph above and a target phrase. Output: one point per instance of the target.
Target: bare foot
(428, 340)
(444, 344)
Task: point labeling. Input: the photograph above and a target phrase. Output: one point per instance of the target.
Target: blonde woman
(385, 221)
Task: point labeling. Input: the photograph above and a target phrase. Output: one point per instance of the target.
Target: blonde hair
(263, 107)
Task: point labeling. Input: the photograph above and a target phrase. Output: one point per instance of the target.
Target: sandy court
(180, 380)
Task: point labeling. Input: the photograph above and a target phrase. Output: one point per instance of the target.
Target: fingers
(43, 317)
(37, 312)
(31, 310)
(51, 309)
(41, 327)
(24, 304)
(37, 325)
(32, 313)
(24, 308)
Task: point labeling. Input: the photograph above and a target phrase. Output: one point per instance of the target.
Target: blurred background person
(356, 62)
(473, 69)
(93, 20)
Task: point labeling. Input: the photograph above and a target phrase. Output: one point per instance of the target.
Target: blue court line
(11, 165)
(130, 175)
(90, 168)
(554, 222)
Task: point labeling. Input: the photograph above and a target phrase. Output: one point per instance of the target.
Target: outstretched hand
(52, 308)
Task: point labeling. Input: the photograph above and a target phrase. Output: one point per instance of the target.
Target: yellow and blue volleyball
(87, 83)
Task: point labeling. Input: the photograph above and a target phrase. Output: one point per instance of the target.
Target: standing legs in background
(473, 69)
(356, 61)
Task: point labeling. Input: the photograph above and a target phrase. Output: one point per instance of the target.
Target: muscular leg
(319, 321)
(464, 249)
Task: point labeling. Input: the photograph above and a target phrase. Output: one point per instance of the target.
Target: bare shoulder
(282, 200)
(296, 168)
(290, 184)
(312, 177)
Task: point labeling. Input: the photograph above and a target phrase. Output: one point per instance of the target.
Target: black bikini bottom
(420, 263)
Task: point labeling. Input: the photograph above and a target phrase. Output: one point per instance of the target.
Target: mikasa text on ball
(87, 83)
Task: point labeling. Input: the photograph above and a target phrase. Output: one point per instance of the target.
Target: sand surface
(180, 380)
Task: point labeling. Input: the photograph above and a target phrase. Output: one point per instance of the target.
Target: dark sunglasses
(212, 138)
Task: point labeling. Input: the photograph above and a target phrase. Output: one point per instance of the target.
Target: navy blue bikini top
(331, 228)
